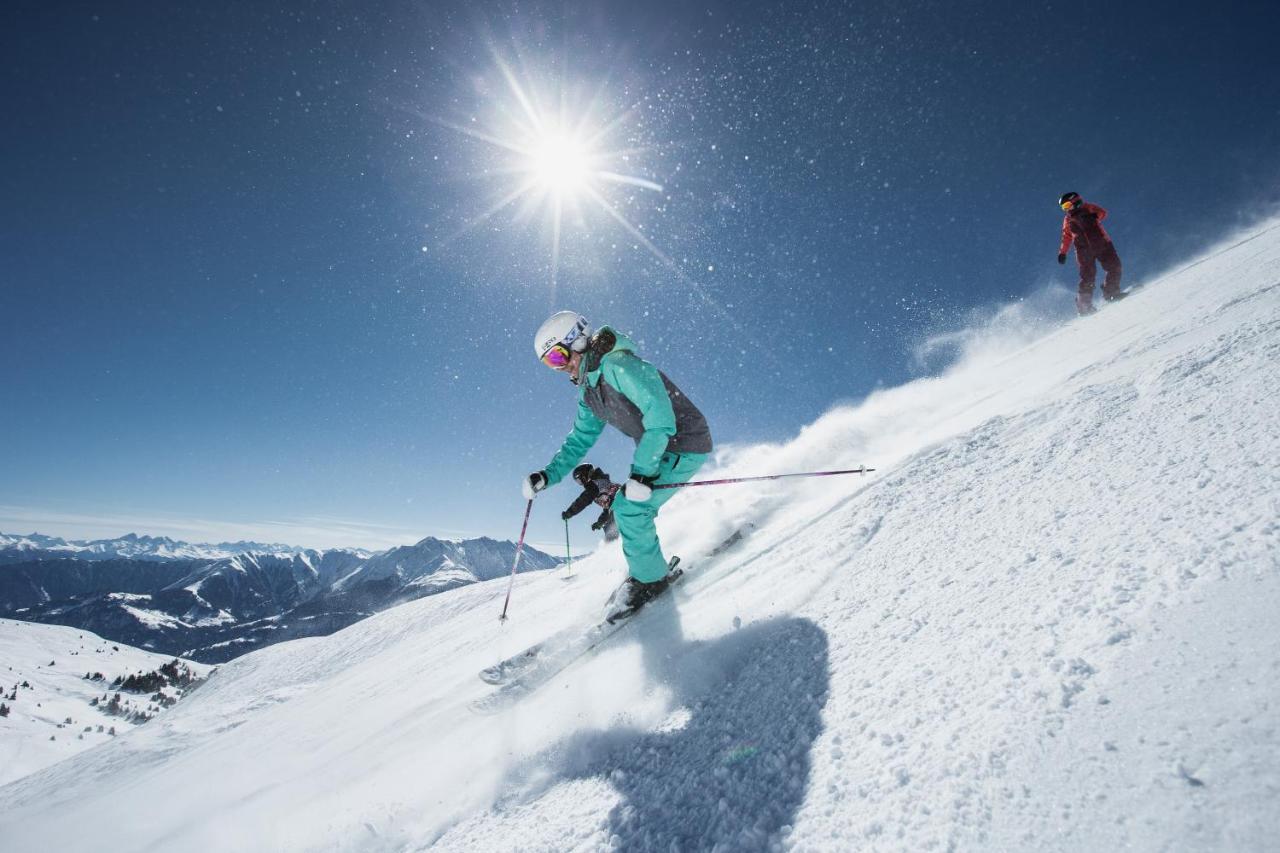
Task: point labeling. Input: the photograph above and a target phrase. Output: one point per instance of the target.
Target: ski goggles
(557, 358)
(1067, 205)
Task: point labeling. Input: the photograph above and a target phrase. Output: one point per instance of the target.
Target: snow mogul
(1082, 225)
(616, 386)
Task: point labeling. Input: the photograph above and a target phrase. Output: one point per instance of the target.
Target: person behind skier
(598, 488)
(1082, 224)
(616, 386)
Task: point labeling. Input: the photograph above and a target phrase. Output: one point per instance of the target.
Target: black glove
(534, 483)
(639, 488)
(565, 516)
(1062, 258)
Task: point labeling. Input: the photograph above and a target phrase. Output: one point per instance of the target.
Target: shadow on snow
(730, 767)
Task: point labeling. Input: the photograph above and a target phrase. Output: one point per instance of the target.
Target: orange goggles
(1067, 205)
(557, 358)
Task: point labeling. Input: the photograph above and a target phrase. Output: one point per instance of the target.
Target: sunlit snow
(1048, 623)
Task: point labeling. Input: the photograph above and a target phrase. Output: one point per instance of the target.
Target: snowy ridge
(51, 661)
(1048, 623)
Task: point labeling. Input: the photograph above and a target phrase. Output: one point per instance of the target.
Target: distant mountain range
(212, 603)
(23, 549)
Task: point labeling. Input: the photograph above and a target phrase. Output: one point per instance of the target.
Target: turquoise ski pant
(635, 518)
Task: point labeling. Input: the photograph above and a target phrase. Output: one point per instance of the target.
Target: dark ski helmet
(1069, 201)
(582, 473)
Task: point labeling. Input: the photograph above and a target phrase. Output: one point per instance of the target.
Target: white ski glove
(639, 489)
(534, 483)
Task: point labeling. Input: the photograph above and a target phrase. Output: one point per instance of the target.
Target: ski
(506, 670)
(523, 673)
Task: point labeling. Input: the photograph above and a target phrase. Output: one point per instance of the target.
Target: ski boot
(634, 594)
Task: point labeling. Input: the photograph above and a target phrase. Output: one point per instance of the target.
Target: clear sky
(248, 287)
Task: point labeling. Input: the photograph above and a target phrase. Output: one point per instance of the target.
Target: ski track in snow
(1048, 623)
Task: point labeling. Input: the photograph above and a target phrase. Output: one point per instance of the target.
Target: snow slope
(1048, 623)
(52, 662)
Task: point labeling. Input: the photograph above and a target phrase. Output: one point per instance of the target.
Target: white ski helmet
(563, 327)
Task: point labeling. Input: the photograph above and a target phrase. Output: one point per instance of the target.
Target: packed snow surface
(1049, 622)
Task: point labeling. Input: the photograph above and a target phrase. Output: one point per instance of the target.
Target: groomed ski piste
(1050, 621)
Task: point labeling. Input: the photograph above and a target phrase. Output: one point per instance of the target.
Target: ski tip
(499, 700)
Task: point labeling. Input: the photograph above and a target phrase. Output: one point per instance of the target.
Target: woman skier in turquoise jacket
(616, 386)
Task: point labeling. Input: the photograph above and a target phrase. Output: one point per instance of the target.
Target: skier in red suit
(1082, 225)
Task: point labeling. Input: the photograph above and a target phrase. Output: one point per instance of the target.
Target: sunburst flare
(559, 162)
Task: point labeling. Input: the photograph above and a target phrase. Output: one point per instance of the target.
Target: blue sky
(244, 290)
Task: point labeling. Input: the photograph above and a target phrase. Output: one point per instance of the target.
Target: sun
(560, 163)
(566, 153)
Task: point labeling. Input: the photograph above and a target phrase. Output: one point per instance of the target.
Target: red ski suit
(1083, 226)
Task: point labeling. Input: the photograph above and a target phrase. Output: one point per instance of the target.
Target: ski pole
(568, 555)
(863, 470)
(519, 547)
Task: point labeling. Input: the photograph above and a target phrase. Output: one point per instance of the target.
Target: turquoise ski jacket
(620, 388)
